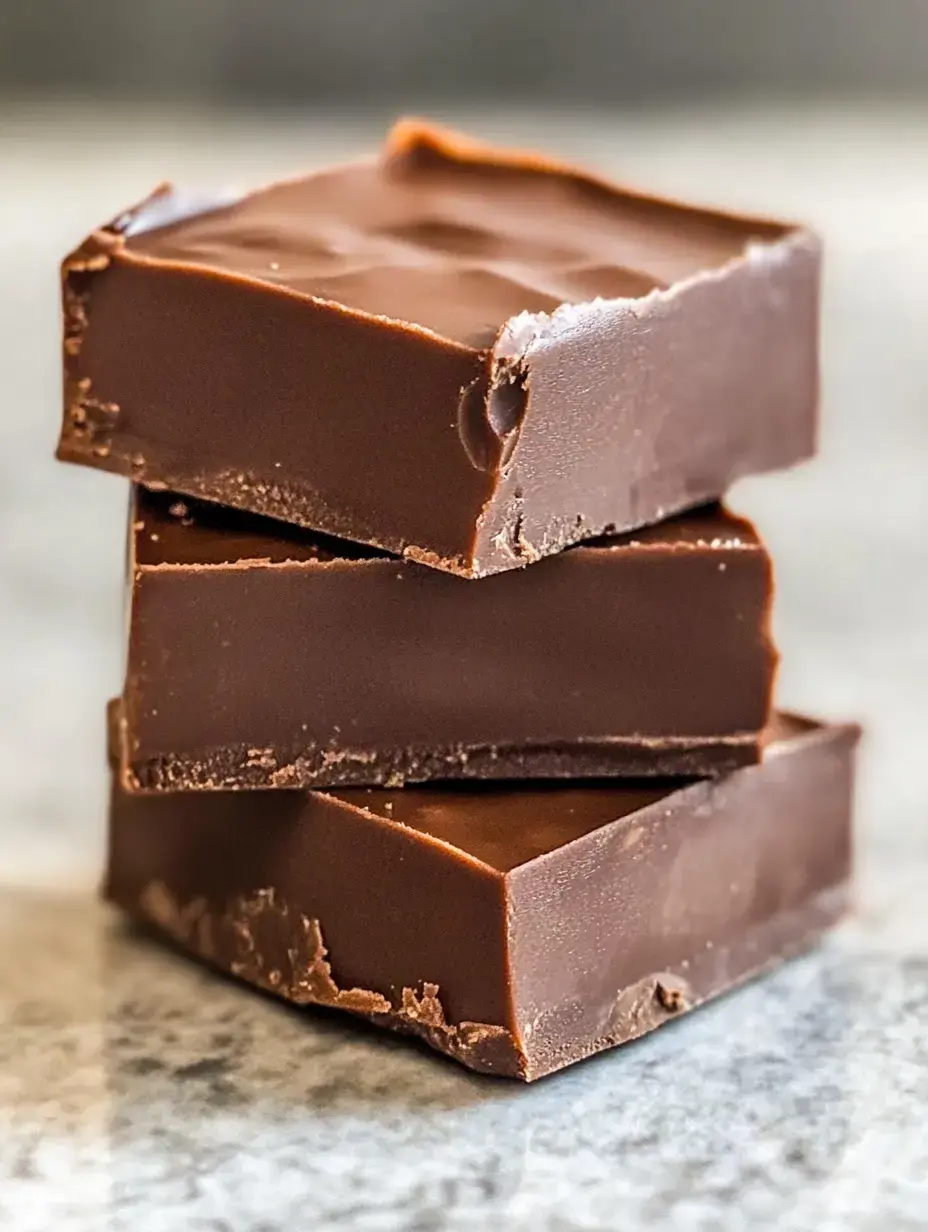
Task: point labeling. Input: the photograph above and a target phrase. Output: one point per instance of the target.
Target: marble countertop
(137, 1091)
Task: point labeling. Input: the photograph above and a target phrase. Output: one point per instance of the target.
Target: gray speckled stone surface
(139, 1092)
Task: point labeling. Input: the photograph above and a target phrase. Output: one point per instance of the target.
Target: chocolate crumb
(673, 1000)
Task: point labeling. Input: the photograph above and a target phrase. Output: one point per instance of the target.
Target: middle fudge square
(261, 655)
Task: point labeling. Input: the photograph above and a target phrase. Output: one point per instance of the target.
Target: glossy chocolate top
(502, 827)
(505, 827)
(176, 532)
(445, 234)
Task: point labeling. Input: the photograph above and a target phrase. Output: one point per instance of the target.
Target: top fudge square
(468, 356)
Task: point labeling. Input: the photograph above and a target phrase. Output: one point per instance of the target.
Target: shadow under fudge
(469, 356)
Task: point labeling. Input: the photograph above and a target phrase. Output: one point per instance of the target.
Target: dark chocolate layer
(261, 656)
(466, 355)
(515, 929)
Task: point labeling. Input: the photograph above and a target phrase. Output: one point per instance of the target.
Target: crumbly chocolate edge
(242, 768)
(226, 939)
(89, 423)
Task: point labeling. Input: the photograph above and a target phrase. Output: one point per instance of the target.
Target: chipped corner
(89, 421)
(264, 941)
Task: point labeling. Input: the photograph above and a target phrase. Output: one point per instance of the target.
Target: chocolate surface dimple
(451, 245)
(506, 404)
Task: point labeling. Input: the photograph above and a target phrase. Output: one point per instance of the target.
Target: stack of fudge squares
(449, 677)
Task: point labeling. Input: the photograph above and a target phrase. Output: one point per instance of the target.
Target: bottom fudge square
(516, 929)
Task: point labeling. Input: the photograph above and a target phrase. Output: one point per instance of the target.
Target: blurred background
(353, 51)
(813, 110)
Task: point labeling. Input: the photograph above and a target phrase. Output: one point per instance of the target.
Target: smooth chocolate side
(695, 387)
(464, 355)
(723, 880)
(261, 656)
(517, 930)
